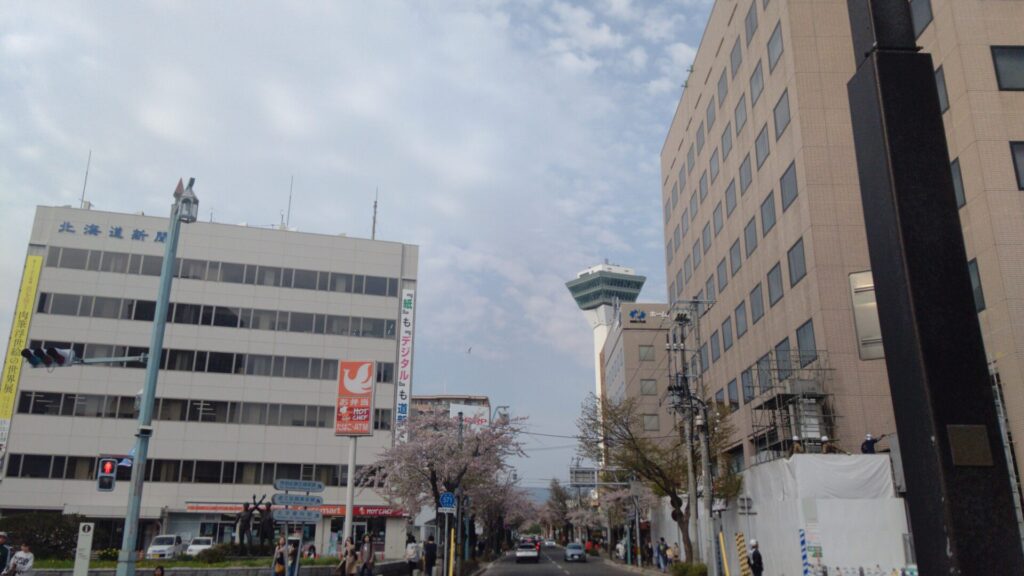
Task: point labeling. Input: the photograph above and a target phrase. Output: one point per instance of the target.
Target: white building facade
(259, 320)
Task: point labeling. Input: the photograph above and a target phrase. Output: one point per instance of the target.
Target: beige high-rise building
(763, 212)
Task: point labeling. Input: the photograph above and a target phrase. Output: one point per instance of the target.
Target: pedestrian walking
(412, 555)
(279, 563)
(754, 560)
(5, 552)
(366, 560)
(662, 555)
(21, 563)
(293, 559)
(429, 556)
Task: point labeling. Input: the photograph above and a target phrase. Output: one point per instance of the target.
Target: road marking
(560, 567)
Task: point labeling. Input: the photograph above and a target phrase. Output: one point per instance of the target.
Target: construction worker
(796, 447)
(868, 445)
(828, 447)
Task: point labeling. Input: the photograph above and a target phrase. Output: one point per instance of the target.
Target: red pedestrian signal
(107, 476)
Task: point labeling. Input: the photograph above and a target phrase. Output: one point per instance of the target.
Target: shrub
(50, 534)
(686, 569)
(107, 554)
(213, 555)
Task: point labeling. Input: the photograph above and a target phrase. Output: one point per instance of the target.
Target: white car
(165, 546)
(528, 552)
(199, 544)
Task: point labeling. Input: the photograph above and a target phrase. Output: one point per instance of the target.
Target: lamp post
(184, 209)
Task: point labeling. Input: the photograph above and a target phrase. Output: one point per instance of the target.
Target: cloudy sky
(515, 142)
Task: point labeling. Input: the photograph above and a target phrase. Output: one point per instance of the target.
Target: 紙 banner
(353, 415)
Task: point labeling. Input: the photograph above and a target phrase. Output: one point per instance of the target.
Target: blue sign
(447, 500)
(637, 316)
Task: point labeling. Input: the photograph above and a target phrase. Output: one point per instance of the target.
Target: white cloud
(638, 57)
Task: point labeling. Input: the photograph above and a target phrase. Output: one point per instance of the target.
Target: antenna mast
(373, 231)
(288, 220)
(81, 202)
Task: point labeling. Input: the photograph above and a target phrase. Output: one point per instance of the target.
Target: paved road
(552, 564)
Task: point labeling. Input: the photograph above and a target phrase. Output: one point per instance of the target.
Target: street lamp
(184, 209)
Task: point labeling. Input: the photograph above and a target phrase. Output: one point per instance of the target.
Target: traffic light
(107, 475)
(49, 356)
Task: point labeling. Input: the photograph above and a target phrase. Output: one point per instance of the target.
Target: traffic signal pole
(185, 208)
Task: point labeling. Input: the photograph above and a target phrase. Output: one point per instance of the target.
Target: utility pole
(680, 390)
(459, 542)
(958, 485)
(184, 209)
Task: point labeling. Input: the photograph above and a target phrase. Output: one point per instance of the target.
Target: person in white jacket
(21, 563)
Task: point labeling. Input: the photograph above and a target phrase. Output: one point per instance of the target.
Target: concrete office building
(762, 211)
(249, 377)
(636, 364)
(597, 290)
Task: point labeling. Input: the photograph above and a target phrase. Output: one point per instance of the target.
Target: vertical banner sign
(84, 549)
(353, 415)
(403, 386)
(19, 340)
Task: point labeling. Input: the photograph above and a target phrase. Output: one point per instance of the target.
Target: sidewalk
(650, 571)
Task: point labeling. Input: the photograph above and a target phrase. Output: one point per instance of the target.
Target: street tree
(555, 512)
(613, 433)
(435, 461)
(501, 505)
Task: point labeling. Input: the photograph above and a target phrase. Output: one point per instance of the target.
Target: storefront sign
(354, 412)
(19, 340)
(325, 509)
(112, 232)
(403, 382)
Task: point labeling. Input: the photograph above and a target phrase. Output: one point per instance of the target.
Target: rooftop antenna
(288, 220)
(81, 203)
(373, 231)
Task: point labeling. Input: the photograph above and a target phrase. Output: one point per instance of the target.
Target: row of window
(182, 410)
(185, 471)
(147, 265)
(220, 362)
(223, 316)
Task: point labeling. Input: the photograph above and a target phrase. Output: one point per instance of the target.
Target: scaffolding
(789, 398)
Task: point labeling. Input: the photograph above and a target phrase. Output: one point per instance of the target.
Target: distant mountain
(538, 495)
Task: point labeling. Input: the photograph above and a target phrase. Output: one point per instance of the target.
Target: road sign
(582, 477)
(298, 485)
(84, 549)
(282, 499)
(447, 502)
(298, 516)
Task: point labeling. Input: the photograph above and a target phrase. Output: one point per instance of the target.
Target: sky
(516, 143)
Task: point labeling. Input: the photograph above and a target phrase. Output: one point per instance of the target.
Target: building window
(703, 186)
(783, 360)
(750, 22)
(700, 138)
(764, 373)
(797, 266)
(716, 349)
(727, 334)
(775, 284)
(1009, 64)
(679, 282)
(646, 353)
(805, 343)
(756, 83)
(691, 159)
(710, 115)
(720, 398)
(741, 114)
(788, 186)
(693, 206)
(713, 166)
(958, 183)
(718, 219)
(704, 365)
(726, 142)
(687, 269)
(1017, 151)
(979, 294)
(781, 114)
(746, 175)
(649, 387)
(723, 89)
(705, 236)
(675, 195)
(696, 255)
(735, 57)
(921, 15)
(747, 380)
(756, 304)
(741, 319)
(723, 276)
(730, 197)
(775, 47)
(761, 147)
(768, 214)
(685, 222)
(709, 287)
(734, 397)
(735, 258)
(750, 236)
(940, 84)
(682, 180)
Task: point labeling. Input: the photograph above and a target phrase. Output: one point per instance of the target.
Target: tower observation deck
(597, 290)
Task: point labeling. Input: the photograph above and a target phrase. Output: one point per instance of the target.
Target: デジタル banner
(353, 415)
(19, 340)
(403, 380)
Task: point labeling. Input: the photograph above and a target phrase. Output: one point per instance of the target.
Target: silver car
(575, 553)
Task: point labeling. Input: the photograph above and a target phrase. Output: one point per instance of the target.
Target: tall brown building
(763, 211)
